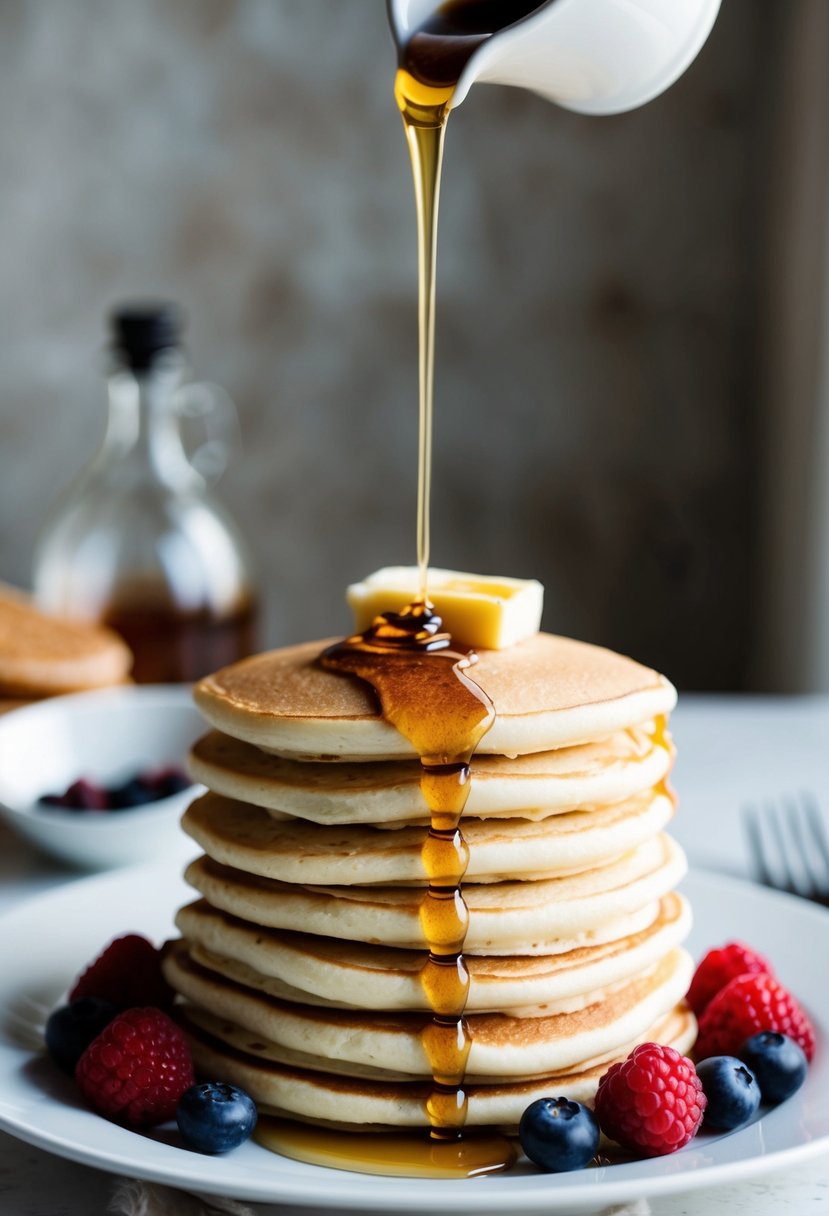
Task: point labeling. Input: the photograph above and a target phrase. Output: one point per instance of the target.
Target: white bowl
(108, 736)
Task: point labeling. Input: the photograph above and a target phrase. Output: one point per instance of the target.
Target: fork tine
(789, 880)
(751, 827)
(814, 820)
(800, 846)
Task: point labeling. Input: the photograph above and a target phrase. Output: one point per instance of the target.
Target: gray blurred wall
(595, 388)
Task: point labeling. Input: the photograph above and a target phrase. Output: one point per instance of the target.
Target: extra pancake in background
(527, 918)
(44, 655)
(549, 692)
(533, 786)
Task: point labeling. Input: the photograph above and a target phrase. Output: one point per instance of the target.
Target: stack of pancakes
(299, 965)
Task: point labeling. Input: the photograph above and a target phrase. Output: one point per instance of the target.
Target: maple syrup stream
(422, 683)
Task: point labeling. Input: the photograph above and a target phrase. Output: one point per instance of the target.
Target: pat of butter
(479, 610)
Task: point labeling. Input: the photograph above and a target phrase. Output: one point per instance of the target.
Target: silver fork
(788, 845)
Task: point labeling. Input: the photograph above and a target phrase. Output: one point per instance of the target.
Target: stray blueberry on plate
(732, 1092)
(71, 1028)
(778, 1062)
(559, 1135)
(214, 1117)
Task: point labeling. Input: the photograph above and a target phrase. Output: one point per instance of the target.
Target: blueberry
(135, 792)
(71, 1029)
(778, 1062)
(558, 1134)
(732, 1092)
(215, 1117)
(171, 781)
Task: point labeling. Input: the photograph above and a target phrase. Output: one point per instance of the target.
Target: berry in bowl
(138, 790)
(97, 779)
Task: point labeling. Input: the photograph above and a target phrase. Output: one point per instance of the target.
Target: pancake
(526, 918)
(501, 969)
(503, 1046)
(219, 1049)
(533, 786)
(249, 839)
(43, 655)
(549, 692)
(324, 971)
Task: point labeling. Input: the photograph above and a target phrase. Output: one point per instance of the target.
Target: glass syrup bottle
(138, 542)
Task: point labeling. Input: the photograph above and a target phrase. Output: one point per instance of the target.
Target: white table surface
(732, 751)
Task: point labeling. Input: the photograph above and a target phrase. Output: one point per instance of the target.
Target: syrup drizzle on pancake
(425, 693)
(662, 738)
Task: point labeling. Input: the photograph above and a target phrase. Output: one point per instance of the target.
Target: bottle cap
(141, 331)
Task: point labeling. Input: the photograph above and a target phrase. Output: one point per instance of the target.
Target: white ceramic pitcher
(593, 56)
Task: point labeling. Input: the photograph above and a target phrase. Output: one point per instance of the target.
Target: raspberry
(128, 973)
(137, 1069)
(719, 967)
(747, 1005)
(652, 1102)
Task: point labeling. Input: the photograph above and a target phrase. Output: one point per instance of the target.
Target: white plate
(45, 942)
